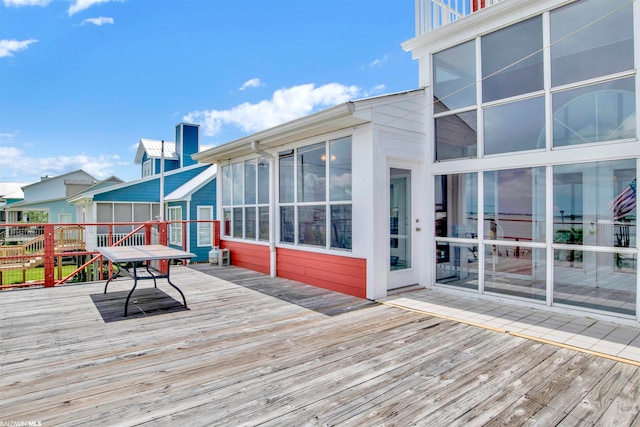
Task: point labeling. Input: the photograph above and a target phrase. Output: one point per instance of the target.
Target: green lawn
(11, 277)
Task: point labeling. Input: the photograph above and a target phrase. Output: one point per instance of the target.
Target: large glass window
(457, 212)
(600, 281)
(226, 186)
(572, 241)
(516, 270)
(597, 113)
(341, 227)
(454, 74)
(315, 210)
(245, 192)
(512, 61)
(502, 136)
(340, 169)
(312, 225)
(237, 183)
(250, 222)
(514, 205)
(457, 136)
(287, 183)
(595, 204)
(250, 182)
(312, 173)
(287, 221)
(591, 38)
(263, 181)
(457, 264)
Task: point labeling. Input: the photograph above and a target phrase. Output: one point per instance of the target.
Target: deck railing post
(163, 239)
(49, 252)
(216, 234)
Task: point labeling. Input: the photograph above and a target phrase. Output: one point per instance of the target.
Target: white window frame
(174, 213)
(147, 168)
(204, 213)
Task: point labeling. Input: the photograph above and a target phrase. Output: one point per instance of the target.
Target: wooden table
(128, 259)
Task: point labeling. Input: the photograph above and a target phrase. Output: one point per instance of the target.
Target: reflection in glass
(595, 204)
(226, 185)
(512, 60)
(237, 222)
(341, 226)
(596, 113)
(286, 175)
(237, 183)
(457, 265)
(516, 271)
(287, 232)
(263, 223)
(454, 77)
(250, 223)
(340, 169)
(456, 136)
(312, 173)
(457, 215)
(226, 227)
(312, 225)
(588, 40)
(263, 180)
(502, 135)
(400, 219)
(250, 182)
(601, 281)
(514, 204)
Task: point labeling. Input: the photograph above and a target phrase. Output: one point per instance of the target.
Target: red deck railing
(53, 254)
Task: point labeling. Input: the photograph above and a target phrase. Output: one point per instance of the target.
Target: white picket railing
(432, 14)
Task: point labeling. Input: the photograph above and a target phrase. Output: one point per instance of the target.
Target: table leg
(177, 288)
(135, 283)
(155, 284)
(111, 276)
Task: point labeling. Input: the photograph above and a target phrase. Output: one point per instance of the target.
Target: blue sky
(81, 81)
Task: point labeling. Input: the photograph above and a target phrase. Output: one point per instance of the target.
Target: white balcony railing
(432, 14)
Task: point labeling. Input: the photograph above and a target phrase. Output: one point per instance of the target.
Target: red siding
(247, 255)
(342, 274)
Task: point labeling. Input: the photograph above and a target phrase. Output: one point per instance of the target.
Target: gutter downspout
(272, 206)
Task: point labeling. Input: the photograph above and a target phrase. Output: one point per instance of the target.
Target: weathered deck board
(258, 350)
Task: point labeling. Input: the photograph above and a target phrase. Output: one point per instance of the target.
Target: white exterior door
(403, 227)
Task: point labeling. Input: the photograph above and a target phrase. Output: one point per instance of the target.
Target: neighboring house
(189, 194)
(10, 192)
(176, 155)
(510, 175)
(48, 197)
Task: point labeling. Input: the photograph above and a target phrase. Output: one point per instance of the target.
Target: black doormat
(143, 303)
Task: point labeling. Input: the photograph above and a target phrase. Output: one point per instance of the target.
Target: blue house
(176, 155)
(189, 194)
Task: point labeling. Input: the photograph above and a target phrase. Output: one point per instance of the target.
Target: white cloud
(80, 5)
(9, 47)
(379, 62)
(251, 83)
(376, 90)
(98, 21)
(15, 163)
(285, 105)
(9, 135)
(18, 3)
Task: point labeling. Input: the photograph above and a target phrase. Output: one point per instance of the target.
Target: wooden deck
(252, 350)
